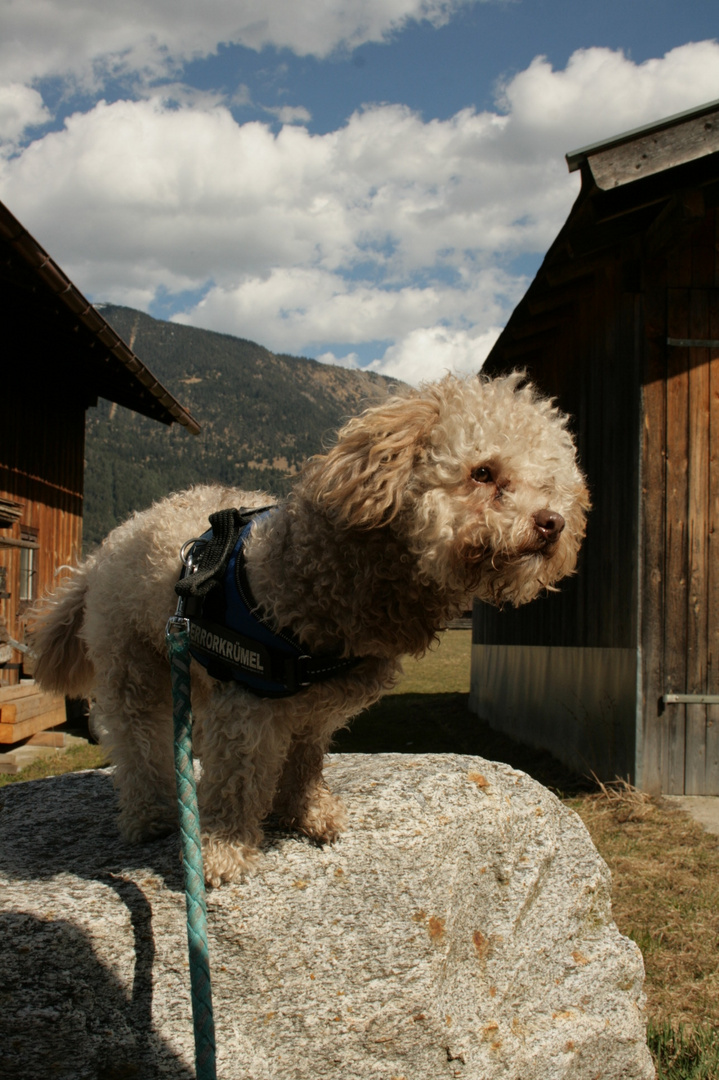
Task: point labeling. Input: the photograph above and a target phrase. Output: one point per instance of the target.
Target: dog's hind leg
(304, 801)
(134, 716)
(243, 744)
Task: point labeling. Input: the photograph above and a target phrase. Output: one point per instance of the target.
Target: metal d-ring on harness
(177, 637)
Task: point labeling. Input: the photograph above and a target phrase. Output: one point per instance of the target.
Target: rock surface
(460, 928)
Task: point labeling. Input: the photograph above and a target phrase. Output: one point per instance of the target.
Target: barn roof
(646, 150)
(641, 191)
(40, 300)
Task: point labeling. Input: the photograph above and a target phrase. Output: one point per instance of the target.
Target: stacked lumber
(26, 710)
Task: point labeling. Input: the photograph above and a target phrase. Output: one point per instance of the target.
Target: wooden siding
(633, 281)
(653, 758)
(590, 365)
(681, 511)
(578, 703)
(41, 468)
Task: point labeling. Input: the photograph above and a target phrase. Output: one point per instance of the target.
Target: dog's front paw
(323, 819)
(226, 860)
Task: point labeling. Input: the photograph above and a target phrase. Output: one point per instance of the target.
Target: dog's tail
(62, 664)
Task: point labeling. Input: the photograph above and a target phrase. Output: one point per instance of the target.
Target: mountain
(261, 414)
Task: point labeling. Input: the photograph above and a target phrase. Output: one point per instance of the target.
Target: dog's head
(478, 478)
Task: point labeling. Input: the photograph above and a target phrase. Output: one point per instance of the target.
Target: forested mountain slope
(261, 414)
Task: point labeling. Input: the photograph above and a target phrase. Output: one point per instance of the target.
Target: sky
(372, 183)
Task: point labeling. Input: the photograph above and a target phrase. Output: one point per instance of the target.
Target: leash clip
(187, 552)
(179, 623)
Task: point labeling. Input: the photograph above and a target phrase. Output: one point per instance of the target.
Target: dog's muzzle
(549, 524)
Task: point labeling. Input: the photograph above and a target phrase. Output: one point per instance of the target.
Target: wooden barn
(619, 672)
(59, 356)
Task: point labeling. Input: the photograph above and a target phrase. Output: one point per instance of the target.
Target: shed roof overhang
(78, 345)
(641, 192)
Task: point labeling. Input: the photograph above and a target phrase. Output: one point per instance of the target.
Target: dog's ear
(361, 481)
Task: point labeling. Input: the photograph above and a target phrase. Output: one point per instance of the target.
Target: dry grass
(665, 895)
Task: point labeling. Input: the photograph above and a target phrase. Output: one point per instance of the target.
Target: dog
(466, 488)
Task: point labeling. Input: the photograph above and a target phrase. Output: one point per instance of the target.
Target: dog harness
(228, 634)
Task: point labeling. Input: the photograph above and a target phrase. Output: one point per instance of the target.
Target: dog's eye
(482, 475)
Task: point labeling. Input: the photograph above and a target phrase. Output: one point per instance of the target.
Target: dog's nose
(549, 523)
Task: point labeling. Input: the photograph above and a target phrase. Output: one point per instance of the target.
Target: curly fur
(465, 488)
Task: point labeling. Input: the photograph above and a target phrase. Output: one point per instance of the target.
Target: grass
(71, 760)
(665, 868)
(684, 1055)
(665, 895)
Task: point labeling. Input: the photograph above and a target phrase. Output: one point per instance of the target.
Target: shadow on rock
(65, 1015)
(72, 828)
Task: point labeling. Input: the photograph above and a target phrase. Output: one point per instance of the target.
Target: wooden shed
(619, 672)
(59, 356)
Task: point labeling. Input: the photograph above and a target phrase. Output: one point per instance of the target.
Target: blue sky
(370, 182)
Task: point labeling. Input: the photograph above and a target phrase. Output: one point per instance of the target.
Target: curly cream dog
(465, 488)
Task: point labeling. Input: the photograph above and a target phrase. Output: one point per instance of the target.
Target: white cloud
(298, 308)
(602, 93)
(91, 39)
(20, 108)
(290, 114)
(387, 229)
(429, 352)
(425, 353)
(191, 190)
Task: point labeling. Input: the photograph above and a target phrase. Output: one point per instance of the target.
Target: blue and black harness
(228, 634)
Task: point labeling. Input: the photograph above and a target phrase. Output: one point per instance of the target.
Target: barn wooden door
(691, 612)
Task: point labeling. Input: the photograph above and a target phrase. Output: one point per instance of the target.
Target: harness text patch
(225, 645)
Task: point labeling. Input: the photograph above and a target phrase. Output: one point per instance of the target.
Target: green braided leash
(178, 645)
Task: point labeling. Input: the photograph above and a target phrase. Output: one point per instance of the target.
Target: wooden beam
(654, 153)
(22, 690)
(47, 738)
(16, 732)
(26, 710)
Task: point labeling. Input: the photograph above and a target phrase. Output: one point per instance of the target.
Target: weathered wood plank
(20, 690)
(712, 729)
(12, 733)
(37, 704)
(41, 467)
(653, 755)
(654, 153)
(675, 619)
(47, 738)
(8, 713)
(704, 255)
(711, 782)
(698, 554)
